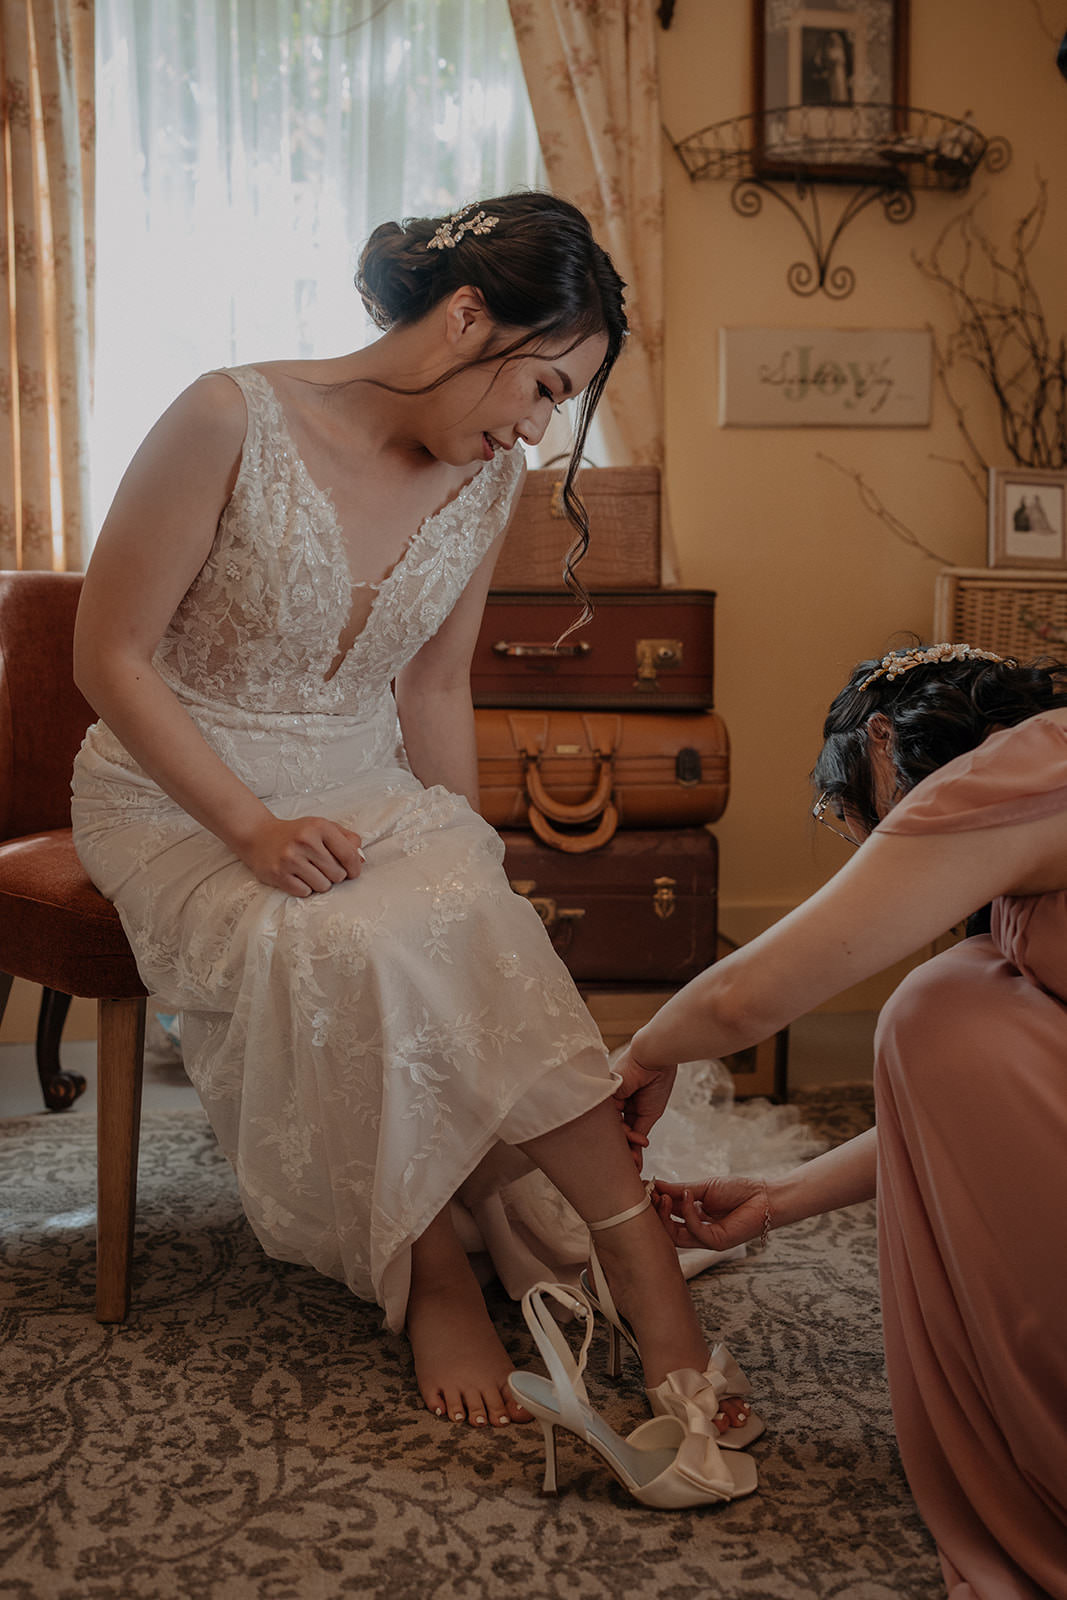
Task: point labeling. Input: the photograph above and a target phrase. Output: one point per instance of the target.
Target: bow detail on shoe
(701, 1462)
(695, 1398)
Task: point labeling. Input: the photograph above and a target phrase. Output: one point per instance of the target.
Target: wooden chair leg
(60, 1089)
(120, 1065)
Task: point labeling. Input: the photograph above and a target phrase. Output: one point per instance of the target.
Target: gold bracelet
(765, 1231)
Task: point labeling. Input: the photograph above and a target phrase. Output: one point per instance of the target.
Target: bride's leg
(590, 1163)
(460, 1364)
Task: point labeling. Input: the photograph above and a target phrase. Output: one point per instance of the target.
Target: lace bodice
(259, 627)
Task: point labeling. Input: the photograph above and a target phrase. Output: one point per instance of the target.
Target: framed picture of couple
(830, 85)
(1027, 518)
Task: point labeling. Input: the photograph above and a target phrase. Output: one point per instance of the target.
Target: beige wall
(808, 581)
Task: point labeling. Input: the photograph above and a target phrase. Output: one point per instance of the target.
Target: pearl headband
(901, 661)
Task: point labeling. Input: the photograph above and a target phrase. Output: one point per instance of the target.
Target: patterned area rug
(250, 1434)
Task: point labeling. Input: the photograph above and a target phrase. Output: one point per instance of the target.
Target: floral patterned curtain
(46, 211)
(590, 69)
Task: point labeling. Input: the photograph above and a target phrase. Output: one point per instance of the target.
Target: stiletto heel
(695, 1398)
(660, 1463)
(614, 1351)
(549, 1431)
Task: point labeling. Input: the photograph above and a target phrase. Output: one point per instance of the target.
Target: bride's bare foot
(461, 1367)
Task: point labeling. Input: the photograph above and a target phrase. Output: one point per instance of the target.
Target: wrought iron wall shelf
(878, 152)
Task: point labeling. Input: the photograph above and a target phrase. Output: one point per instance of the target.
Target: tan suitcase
(575, 777)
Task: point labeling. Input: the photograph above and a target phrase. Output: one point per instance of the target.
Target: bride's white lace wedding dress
(366, 1054)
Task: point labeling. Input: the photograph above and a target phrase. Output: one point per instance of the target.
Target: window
(245, 149)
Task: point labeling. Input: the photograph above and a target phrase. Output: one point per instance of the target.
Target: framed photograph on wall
(830, 83)
(1027, 518)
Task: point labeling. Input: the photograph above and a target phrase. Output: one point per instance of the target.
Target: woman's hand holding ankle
(641, 1096)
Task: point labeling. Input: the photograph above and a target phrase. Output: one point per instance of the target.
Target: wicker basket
(1014, 612)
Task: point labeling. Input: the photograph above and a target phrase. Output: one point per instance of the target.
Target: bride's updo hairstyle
(938, 709)
(542, 276)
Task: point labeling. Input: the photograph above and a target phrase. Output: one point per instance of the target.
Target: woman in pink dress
(949, 765)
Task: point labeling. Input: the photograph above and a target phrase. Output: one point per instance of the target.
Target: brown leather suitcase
(576, 776)
(644, 650)
(643, 909)
(623, 507)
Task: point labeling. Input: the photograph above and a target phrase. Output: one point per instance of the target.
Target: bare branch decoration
(871, 502)
(1003, 334)
(977, 483)
(1044, 24)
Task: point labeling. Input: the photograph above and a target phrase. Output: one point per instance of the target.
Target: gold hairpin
(901, 661)
(448, 234)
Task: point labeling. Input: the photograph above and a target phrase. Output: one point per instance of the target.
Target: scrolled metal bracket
(779, 154)
(807, 278)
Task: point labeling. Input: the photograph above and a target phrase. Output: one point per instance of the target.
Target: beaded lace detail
(260, 625)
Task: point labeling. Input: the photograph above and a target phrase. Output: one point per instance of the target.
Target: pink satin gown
(971, 1086)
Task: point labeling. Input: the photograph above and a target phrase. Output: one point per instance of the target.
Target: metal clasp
(663, 898)
(545, 905)
(655, 656)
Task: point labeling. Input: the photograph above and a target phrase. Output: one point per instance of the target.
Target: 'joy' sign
(824, 377)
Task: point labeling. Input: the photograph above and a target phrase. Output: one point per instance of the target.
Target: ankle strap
(623, 1216)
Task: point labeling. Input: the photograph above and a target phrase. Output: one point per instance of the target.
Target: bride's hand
(716, 1215)
(305, 856)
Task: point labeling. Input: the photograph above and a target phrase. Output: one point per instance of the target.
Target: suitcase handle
(574, 843)
(585, 810)
(504, 647)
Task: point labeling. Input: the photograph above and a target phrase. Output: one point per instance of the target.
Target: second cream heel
(661, 1464)
(549, 1432)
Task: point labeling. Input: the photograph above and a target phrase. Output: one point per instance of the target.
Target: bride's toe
(434, 1401)
(734, 1414)
(476, 1408)
(455, 1406)
(515, 1408)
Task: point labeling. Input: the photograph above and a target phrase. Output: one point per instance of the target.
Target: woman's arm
(724, 1212)
(897, 893)
(154, 541)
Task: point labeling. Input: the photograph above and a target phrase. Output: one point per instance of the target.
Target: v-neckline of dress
(333, 522)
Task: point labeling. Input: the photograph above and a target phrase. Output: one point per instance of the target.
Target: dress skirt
(365, 1053)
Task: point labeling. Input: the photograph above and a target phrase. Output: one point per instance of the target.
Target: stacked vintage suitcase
(601, 759)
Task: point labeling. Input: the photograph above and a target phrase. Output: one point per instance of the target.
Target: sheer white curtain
(245, 148)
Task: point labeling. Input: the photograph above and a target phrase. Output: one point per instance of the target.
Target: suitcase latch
(663, 897)
(687, 768)
(545, 906)
(655, 656)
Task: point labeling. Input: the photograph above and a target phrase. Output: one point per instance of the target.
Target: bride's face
(493, 406)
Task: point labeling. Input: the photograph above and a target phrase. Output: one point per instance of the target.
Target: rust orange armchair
(56, 929)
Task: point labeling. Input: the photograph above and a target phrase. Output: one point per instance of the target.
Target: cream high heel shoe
(660, 1464)
(695, 1398)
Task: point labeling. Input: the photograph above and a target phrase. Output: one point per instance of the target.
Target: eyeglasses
(823, 811)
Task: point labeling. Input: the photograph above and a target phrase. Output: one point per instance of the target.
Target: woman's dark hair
(937, 710)
(540, 272)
